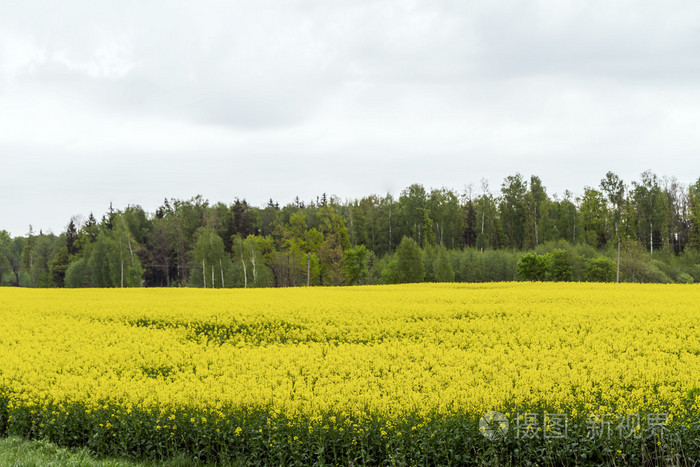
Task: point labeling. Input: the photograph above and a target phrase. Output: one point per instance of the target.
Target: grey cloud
(290, 98)
(267, 64)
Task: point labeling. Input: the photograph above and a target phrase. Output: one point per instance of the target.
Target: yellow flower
(425, 349)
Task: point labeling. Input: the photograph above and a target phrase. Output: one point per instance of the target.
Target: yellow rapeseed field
(416, 351)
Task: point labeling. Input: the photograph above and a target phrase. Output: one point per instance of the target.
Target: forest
(644, 231)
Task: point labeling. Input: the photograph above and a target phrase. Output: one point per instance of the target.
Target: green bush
(694, 271)
(685, 278)
(498, 265)
(468, 266)
(600, 269)
(559, 266)
(442, 268)
(532, 267)
(653, 275)
(407, 265)
(669, 270)
(78, 274)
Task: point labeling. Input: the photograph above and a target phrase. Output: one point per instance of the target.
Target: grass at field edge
(17, 451)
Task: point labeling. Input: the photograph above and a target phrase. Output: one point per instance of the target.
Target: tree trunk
(617, 277)
(122, 277)
(128, 242)
(389, 227)
(255, 277)
(510, 232)
(308, 270)
(204, 274)
(221, 268)
(245, 274)
(618, 260)
(483, 220)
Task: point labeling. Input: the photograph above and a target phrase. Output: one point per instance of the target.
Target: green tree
(269, 218)
(565, 218)
(28, 255)
(443, 210)
(87, 234)
(694, 215)
(593, 216)
(442, 267)
(100, 268)
(59, 265)
(15, 257)
(367, 225)
(254, 258)
(614, 189)
(209, 252)
(244, 218)
(5, 244)
(677, 220)
(112, 259)
(633, 261)
(412, 204)
(239, 253)
(388, 224)
(265, 254)
(303, 245)
(356, 265)
(332, 250)
(78, 274)
(428, 235)
(186, 218)
(220, 219)
(512, 209)
(44, 250)
(161, 246)
(408, 262)
(489, 230)
(126, 254)
(469, 233)
(536, 213)
(651, 211)
(71, 238)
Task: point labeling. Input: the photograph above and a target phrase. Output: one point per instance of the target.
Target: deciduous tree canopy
(649, 229)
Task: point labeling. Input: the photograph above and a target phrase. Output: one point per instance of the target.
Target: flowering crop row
(364, 374)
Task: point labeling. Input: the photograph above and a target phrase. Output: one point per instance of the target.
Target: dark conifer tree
(71, 237)
(469, 233)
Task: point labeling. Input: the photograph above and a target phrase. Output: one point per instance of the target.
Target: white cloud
(133, 101)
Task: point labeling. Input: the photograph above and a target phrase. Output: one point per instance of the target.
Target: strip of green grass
(16, 451)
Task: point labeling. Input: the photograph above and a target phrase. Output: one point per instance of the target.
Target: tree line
(644, 231)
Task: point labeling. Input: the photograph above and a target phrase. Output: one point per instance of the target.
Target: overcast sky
(135, 101)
